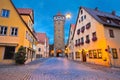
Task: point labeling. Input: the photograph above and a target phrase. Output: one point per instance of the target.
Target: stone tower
(59, 45)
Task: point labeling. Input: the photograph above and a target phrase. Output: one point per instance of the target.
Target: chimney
(96, 9)
(113, 13)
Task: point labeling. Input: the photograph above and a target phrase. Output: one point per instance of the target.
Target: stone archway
(59, 53)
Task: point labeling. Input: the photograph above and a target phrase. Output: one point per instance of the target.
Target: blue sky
(44, 10)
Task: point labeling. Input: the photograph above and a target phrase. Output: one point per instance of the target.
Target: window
(114, 51)
(99, 53)
(14, 31)
(78, 41)
(77, 55)
(94, 34)
(90, 54)
(9, 52)
(26, 34)
(94, 54)
(82, 29)
(3, 30)
(94, 38)
(87, 39)
(78, 31)
(5, 13)
(82, 18)
(81, 11)
(111, 33)
(88, 25)
(39, 49)
(82, 41)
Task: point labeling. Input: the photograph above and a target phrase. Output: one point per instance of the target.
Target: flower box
(94, 39)
(87, 41)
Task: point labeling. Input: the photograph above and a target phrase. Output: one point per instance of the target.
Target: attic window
(116, 21)
(105, 19)
(81, 11)
(102, 18)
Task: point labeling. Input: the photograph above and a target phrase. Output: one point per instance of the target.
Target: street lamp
(68, 15)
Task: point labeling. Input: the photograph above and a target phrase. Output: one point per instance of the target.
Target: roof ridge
(100, 11)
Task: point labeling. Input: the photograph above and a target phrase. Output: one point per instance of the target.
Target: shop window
(114, 51)
(5, 13)
(99, 51)
(94, 54)
(77, 55)
(9, 52)
(111, 33)
(90, 54)
(3, 30)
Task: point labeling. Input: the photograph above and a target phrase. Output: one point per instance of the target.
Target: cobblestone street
(58, 69)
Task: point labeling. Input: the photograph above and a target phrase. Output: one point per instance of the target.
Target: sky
(44, 10)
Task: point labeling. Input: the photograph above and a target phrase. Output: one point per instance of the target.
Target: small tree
(20, 56)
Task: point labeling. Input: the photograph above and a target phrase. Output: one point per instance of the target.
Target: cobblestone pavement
(58, 69)
(19, 72)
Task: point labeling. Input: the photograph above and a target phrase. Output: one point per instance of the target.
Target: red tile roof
(72, 26)
(41, 38)
(24, 10)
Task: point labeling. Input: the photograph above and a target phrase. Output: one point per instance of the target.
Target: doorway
(83, 56)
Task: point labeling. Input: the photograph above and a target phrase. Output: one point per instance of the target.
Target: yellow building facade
(96, 37)
(14, 32)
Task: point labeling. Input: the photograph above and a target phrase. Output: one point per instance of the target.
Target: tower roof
(59, 14)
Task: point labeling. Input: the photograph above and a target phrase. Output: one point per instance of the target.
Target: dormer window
(116, 21)
(108, 21)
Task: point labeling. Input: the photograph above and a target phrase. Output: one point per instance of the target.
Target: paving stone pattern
(57, 69)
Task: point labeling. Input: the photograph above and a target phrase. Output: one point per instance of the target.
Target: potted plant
(20, 56)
